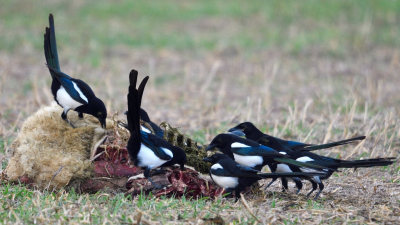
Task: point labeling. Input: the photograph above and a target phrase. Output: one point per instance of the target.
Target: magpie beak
(103, 122)
(211, 147)
(207, 159)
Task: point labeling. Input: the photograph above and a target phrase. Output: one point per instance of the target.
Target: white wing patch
(145, 129)
(80, 92)
(216, 166)
(305, 169)
(250, 161)
(239, 145)
(168, 152)
(283, 153)
(304, 159)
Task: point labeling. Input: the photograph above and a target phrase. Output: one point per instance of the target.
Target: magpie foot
(269, 184)
(316, 196)
(71, 124)
(298, 191)
(80, 115)
(309, 193)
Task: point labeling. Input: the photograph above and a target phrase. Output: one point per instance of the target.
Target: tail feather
(132, 115)
(133, 118)
(50, 46)
(302, 164)
(140, 92)
(294, 174)
(328, 145)
(367, 162)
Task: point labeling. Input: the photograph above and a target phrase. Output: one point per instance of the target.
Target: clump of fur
(50, 152)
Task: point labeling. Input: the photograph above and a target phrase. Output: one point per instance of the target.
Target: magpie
(147, 150)
(68, 92)
(250, 153)
(233, 176)
(253, 133)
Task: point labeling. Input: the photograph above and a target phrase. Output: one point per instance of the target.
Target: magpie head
(248, 129)
(215, 158)
(222, 142)
(179, 157)
(99, 111)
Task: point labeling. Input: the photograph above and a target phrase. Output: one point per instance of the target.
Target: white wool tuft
(46, 143)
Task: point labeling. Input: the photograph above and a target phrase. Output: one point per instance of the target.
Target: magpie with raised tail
(307, 157)
(253, 133)
(232, 176)
(147, 150)
(68, 92)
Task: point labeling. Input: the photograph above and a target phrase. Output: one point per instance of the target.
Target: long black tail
(294, 174)
(134, 98)
(328, 145)
(367, 162)
(304, 164)
(50, 46)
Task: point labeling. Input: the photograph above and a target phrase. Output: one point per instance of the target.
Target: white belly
(225, 182)
(65, 100)
(250, 161)
(148, 159)
(283, 168)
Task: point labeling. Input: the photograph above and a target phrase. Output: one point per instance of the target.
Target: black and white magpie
(254, 134)
(232, 176)
(147, 150)
(250, 153)
(68, 92)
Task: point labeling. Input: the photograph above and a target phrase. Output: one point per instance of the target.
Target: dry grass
(311, 95)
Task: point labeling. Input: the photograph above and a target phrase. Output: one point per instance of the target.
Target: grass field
(305, 70)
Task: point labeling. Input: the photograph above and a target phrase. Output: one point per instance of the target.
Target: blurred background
(316, 70)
